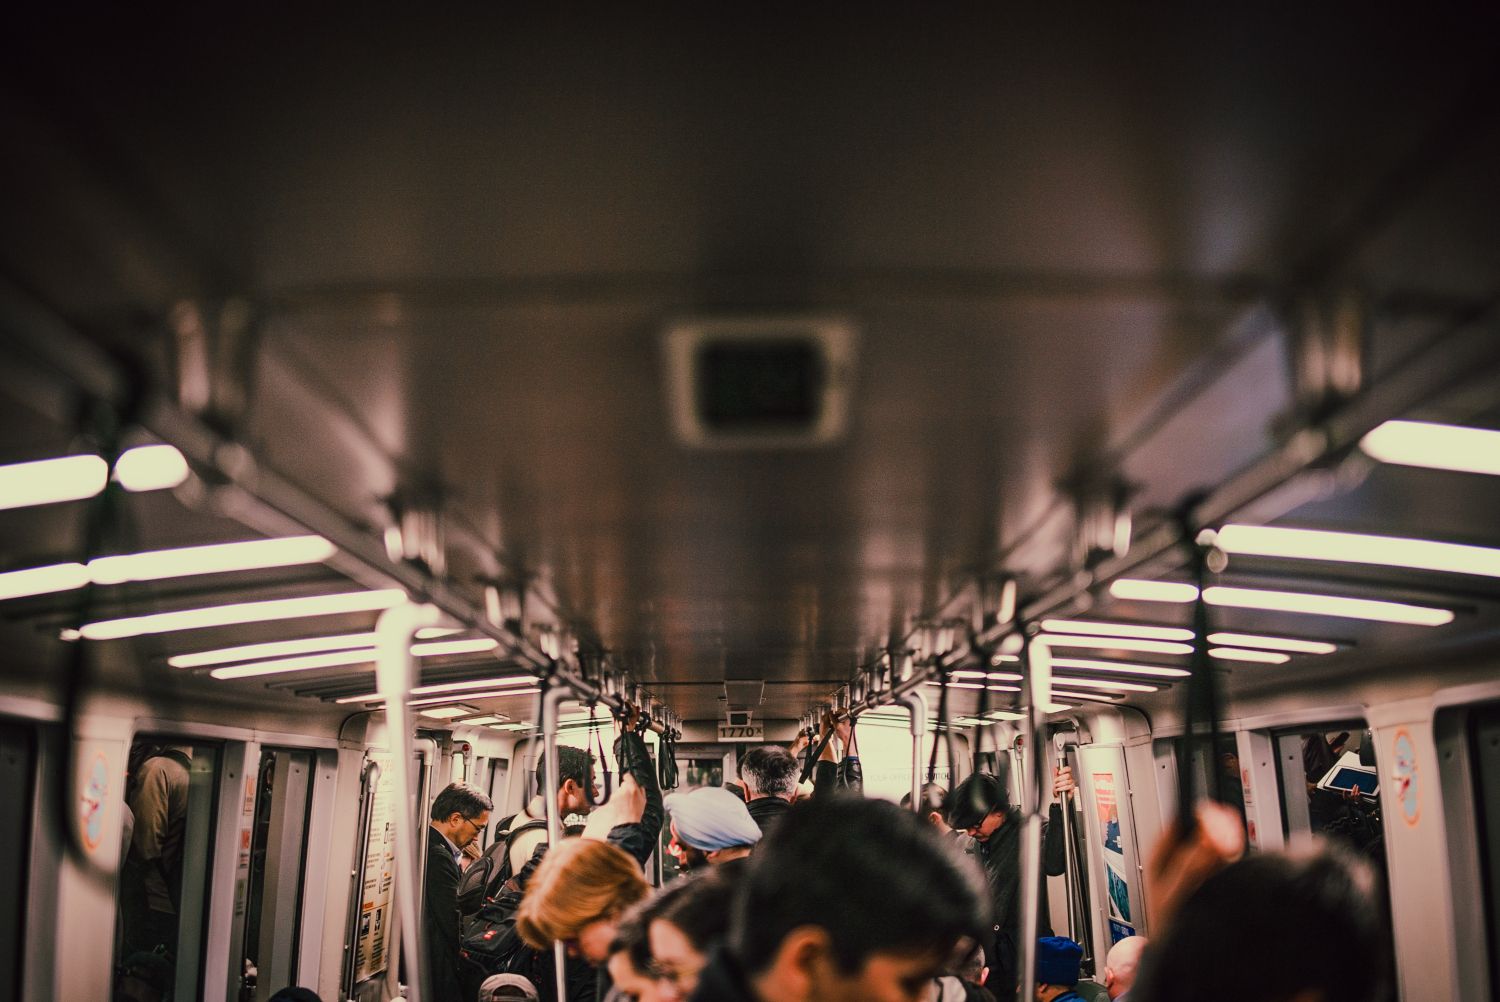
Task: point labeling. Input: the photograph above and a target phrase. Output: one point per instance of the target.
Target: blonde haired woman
(577, 896)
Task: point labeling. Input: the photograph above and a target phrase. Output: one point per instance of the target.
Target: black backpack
(485, 876)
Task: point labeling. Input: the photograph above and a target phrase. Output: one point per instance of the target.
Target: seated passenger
(693, 921)
(845, 899)
(1058, 961)
(1275, 927)
(770, 774)
(1120, 966)
(710, 826)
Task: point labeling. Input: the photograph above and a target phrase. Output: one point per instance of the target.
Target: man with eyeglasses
(459, 813)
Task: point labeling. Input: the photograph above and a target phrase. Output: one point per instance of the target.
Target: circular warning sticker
(91, 802)
(1404, 775)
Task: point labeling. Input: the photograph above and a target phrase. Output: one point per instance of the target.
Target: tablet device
(1348, 774)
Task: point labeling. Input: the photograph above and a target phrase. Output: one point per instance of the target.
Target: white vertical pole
(1039, 696)
(552, 699)
(916, 705)
(396, 674)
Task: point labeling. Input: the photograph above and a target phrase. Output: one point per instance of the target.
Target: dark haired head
(770, 770)
(848, 866)
(1300, 909)
(932, 793)
(572, 763)
(701, 911)
(633, 932)
(975, 798)
(462, 798)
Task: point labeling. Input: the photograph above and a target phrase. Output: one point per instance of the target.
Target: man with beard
(710, 826)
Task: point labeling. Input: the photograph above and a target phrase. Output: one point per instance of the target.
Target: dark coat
(766, 811)
(1001, 857)
(723, 980)
(440, 919)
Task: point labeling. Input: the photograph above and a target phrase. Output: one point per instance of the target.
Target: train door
(17, 784)
(162, 914)
(1468, 745)
(277, 865)
(1484, 753)
(1110, 887)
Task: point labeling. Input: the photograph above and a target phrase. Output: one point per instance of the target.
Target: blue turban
(712, 818)
(1057, 961)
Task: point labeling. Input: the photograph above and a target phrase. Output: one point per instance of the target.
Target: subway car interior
(387, 399)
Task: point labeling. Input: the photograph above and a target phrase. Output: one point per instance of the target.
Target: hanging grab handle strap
(597, 740)
(1201, 698)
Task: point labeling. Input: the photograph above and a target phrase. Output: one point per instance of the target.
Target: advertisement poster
(372, 949)
(1108, 807)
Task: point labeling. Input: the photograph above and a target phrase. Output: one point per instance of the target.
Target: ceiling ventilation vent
(759, 382)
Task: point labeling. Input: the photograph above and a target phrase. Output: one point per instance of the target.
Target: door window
(278, 852)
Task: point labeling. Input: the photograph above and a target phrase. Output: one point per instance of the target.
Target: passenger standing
(152, 881)
(770, 775)
(835, 774)
(576, 794)
(710, 826)
(980, 806)
(459, 813)
(1120, 965)
(1058, 962)
(845, 899)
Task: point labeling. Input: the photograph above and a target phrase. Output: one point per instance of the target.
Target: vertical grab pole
(916, 705)
(555, 694)
(1039, 696)
(396, 674)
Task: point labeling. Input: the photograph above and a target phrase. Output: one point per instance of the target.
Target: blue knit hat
(1057, 961)
(712, 818)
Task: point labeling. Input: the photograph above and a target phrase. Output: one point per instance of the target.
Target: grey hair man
(770, 775)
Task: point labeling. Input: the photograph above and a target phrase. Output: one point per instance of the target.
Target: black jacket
(440, 919)
(765, 811)
(847, 777)
(1001, 857)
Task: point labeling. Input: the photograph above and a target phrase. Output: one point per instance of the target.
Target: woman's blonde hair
(578, 882)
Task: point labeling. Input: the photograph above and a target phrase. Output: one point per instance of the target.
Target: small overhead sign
(742, 732)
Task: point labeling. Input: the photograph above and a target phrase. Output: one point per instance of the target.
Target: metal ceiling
(1073, 248)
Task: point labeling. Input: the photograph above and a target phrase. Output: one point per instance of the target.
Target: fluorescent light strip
(1118, 644)
(1286, 601)
(1000, 659)
(449, 712)
(1273, 643)
(74, 478)
(1358, 548)
(1092, 697)
(993, 676)
(1110, 685)
(1119, 667)
(487, 719)
(433, 632)
(244, 612)
(474, 683)
(1240, 654)
(1435, 446)
(218, 558)
(277, 648)
(451, 698)
(43, 580)
(307, 662)
(1117, 629)
(1134, 589)
(474, 646)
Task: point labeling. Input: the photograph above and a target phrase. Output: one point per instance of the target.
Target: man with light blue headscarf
(710, 826)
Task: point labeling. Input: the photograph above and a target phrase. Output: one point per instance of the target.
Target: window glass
(17, 769)
(163, 901)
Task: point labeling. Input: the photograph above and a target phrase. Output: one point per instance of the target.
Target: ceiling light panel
(43, 580)
(449, 712)
(1256, 657)
(474, 683)
(274, 649)
(50, 481)
(1435, 446)
(432, 649)
(219, 558)
(151, 468)
(1327, 605)
(244, 612)
(1359, 548)
(1110, 685)
(1119, 667)
(1289, 644)
(1135, 589)
(1118, 644)
(1139, 630)
(307, 662)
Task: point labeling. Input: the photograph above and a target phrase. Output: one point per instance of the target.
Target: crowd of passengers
(835, 898)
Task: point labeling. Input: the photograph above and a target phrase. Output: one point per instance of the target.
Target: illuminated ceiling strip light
(473, 683)
(1119, 667)
(1000, 659)
(1109, 685)
(448, 712)
(75, 478)
(435, 649)
(1118, 644)
(43, 580)
(1286, 601)
(1240, 654)
(244, 612)
(307, 662)
(455, 691)
(277, 648)
(1328, 605)
(1093, 697)
(487, 719)
(993, 676)
(1117, 629)
(218, 558)
(1134, 589)
(158, 564)
(1359, 548)
(1435, 446)
(1273, 643)
(433, 632)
